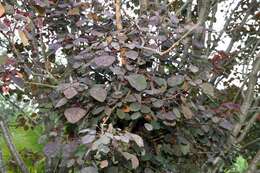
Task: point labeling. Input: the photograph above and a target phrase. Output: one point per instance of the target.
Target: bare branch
(248, 126)
(248, 12)
(225, 26)
(249, 96)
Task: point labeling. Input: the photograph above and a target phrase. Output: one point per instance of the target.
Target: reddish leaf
(70, 92)
(104, 61)
(98, 93)
(131, 54)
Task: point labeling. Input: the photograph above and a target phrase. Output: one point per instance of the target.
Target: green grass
(24, 140)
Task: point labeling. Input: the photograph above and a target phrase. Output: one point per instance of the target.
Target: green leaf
(185, 149)
(137, 81)
(136, 115)
(135, 107)
(175, 80)
(120, 114)
(208, 89)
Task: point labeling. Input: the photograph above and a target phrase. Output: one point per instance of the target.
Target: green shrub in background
(239, 166)
(25, 139)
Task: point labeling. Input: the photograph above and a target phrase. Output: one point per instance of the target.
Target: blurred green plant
(25, 139)
(239, 166)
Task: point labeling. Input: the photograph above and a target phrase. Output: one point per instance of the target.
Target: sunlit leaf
(23, 38)
(131, 54)
(103, 164)
(139, 141)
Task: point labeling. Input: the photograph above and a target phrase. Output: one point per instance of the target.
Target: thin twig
(41, 84)
(250, 143)
(248, 13)
(249, 96)
(172, 47)
(12, 148)
(225, 27)
(248, 126)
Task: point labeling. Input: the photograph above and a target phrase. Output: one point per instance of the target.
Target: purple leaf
(131, 54)
(104, 61)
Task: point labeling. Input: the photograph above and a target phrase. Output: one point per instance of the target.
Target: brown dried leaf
(73, 11)
(23, 38)
(2, 10)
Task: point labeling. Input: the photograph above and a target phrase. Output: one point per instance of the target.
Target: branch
(143, 6)
(248, 13)
(248, 126)
(249, 96)
(2, 164)
(172, 47)
(212, 21)
(225, 27)
(12, 148)
(119, 27)
(41, 84)
(182, 7)
(250, 143)
(253, 165)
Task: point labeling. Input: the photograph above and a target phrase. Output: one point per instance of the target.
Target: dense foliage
(146, 91)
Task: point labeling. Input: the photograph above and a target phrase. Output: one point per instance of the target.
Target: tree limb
(249, 96)
(119, 27)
